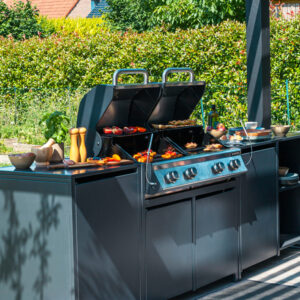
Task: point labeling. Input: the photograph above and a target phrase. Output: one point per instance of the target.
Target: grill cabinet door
(259, 208)
(108, 238)
(169, 250)
(216, 236)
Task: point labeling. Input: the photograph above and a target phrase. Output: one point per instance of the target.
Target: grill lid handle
(130, 72)
(178, 70)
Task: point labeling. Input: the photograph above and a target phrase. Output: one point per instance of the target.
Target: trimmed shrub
(43, 69)
(77, 26)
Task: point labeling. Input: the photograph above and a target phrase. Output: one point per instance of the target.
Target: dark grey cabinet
(108, 230)
(169, 250)
(217, 216)
(259, 215)
(36, 240)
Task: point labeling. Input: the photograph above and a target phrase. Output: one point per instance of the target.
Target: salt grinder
(74, 150)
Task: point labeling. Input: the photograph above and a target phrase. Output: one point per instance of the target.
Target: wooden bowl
(280, 130)
(217, 133)
(43, 155)
(22, 161)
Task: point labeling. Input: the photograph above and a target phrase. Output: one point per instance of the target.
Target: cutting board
(88, 165)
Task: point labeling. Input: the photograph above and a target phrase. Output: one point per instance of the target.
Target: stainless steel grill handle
(130, 72)
(178, 70)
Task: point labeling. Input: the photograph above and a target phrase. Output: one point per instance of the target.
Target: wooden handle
(50, 143)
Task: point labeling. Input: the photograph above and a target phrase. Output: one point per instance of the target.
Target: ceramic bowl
(280, 130)
(43, 155)
(282, 171)
(22, 161)
(251, 125)
(217, 133)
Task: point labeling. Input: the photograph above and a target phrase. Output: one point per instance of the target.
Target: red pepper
(107, 130)
(141, 129)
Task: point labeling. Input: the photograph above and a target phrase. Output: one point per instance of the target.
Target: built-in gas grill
(153, 106)
(191, 197)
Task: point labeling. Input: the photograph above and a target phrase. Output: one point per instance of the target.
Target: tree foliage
(143, 15)
(19, 21)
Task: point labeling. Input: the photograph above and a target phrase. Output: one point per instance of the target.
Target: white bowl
(251, 125)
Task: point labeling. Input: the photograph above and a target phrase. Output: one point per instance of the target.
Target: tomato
(117, 130)
(130, 130)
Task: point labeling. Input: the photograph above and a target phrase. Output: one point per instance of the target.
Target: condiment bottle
(82, 147)
(74, 150)
(213, 117)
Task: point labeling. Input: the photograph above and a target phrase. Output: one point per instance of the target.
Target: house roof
(51, 8)
(98, 10)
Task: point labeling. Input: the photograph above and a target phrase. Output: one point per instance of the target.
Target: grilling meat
(213, 147)
(191, 145)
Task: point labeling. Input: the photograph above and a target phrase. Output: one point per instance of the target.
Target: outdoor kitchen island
(152, 229)
(90, 234)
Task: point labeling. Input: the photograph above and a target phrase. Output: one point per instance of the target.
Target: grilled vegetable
(117, 130)
(107, 130)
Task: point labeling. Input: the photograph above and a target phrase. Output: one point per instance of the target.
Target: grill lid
(178, 99)
(116, 105)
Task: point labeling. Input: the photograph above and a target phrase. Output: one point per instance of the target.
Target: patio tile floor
(277, 278)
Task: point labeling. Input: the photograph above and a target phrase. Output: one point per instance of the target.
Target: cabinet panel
(169, 250)
(108, 230)
(216, 236)
(259, 217)
(36, 240)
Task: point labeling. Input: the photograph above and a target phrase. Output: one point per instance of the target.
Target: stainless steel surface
(196, 169)
(119, 72)
(178, 70)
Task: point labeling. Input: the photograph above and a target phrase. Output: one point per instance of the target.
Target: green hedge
(217, 54)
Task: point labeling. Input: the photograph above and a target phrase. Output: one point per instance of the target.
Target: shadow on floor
(277, 278)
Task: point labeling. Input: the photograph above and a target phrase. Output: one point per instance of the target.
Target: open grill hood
(178, 99)
(136, 105)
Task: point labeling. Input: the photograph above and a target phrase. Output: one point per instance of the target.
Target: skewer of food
(115, 130)
(175, 124)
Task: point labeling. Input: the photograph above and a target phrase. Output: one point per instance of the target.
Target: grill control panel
(197, 170)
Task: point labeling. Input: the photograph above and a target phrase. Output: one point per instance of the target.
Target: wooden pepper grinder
(82, 147)
(74, 150)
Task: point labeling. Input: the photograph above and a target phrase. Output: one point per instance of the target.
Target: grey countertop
(245, 144)
(64, 173)
(77, 173)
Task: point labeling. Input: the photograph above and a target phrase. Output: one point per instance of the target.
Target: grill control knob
(215, 169)
(221, 167)
(171, 177)
(190, 173)
(234, 164)
(218, 168)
